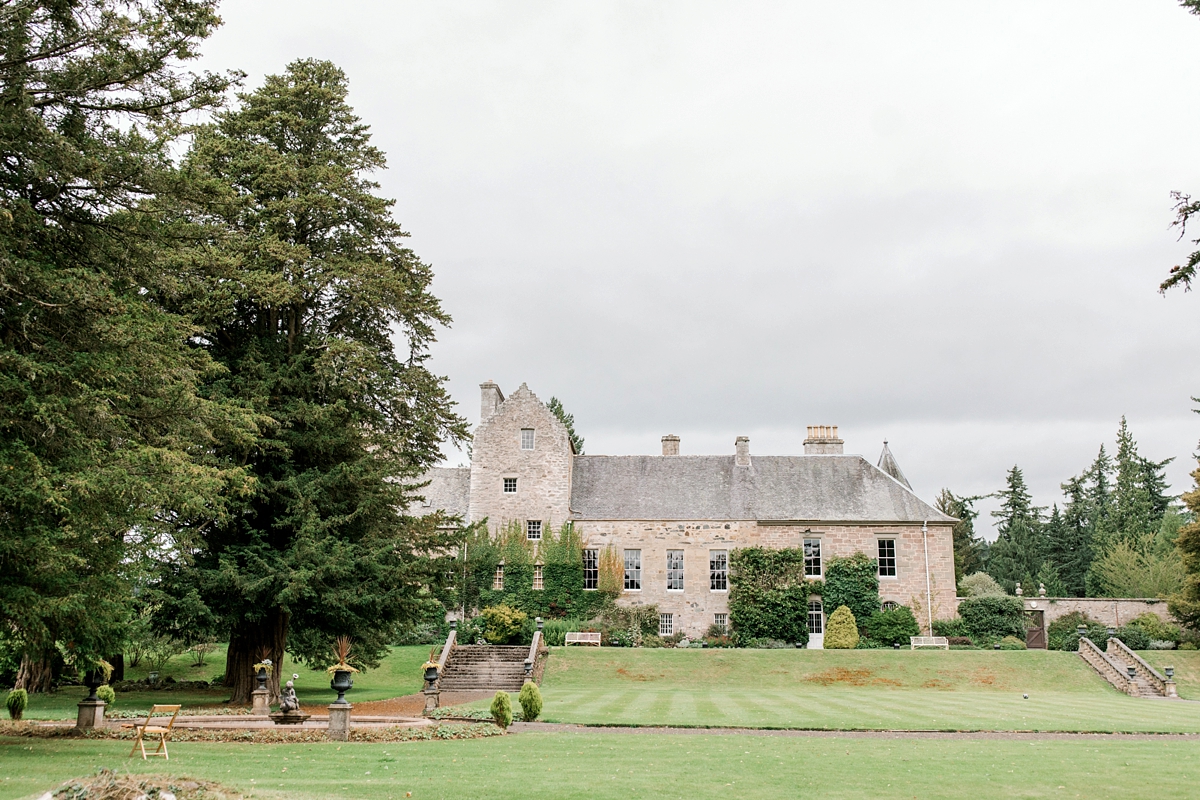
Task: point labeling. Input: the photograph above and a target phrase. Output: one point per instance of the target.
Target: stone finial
(1041, 590)
(742, 446)
(670, 445)
(1019, 592)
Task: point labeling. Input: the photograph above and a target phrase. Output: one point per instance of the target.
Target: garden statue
(288, 704)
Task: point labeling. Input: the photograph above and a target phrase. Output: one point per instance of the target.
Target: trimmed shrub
(980, 584)
(1162, 644)
(530, 699)
(106, 694)
(892, 627)
(993, 617)
(1011, 643)
(1095, 631)
(1188, 646)
(504, 624)
(960, 641)
(956, 628)
(841, 631)
(1134, 638)
(1156, 628)
(16, 702)
(852, 582)
(502, 710)
(1061, 629)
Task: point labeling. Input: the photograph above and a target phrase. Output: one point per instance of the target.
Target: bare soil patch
(850, 676)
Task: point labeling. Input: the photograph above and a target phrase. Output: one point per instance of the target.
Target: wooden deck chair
(151, 726)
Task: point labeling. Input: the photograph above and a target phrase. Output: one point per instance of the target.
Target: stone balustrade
(1100, 662)
(1161, 685)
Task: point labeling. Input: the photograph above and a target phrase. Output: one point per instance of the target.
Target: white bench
(928, 641)
(582, 638)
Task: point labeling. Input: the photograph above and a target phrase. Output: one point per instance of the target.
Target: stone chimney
(670, 444)
(822, 441)
(492, 398)
(742, 443)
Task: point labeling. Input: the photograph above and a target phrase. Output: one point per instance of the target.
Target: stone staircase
(480, 667)
(1114, 666)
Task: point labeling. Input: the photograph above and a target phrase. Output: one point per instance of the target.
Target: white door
(816, 625)
(816, 641)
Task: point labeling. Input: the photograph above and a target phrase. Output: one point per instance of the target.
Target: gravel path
(550, 727)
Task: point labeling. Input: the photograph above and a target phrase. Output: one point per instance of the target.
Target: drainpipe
(928, 587)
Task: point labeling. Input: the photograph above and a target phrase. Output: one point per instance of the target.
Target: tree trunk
(35, 673)
(246, 645)
(118, 665)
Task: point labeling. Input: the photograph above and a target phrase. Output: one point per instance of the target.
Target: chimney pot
(742, 445)
(670, 445)
(822, 440)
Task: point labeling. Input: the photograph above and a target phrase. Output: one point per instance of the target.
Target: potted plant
(430, 667)
(263, 668)
(342, 670)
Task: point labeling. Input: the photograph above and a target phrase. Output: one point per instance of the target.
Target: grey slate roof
(887, 463)
(802, 488)
(449, 489)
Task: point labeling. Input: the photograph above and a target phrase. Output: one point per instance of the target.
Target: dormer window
(526, 438)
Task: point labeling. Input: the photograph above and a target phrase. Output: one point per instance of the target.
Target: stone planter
(341, 684)
(431, 674)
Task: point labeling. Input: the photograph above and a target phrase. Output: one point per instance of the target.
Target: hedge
(990, 618)
(892, 627)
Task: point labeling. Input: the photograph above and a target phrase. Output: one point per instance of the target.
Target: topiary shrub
(502, 710)
(841, 631)
(852, 582)
(16, 702)
(530, 699)
(993, 617)
(892, 627)
(980, 584)
(956, 627)
(1011, 643)
(504, 624)
(106, 694)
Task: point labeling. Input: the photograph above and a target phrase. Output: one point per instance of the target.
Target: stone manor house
(676, 517)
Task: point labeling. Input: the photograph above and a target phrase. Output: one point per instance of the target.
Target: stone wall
(694, 608)
(543, 474)
(1107, 611)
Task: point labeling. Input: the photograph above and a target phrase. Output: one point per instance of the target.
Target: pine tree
(309, 285)
(1019, 549)
(1069, 538)
(102, 434)
(556, 408)
(969, 548)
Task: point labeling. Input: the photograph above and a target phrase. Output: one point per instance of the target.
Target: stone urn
(341, 684)
(262, 678)
(93, 680)
(431, 674)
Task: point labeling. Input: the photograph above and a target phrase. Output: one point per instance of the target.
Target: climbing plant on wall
(501, 569)
(768, 595)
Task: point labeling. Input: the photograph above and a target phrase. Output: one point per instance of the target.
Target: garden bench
(145, 727)
(582, 638)
(928, 641)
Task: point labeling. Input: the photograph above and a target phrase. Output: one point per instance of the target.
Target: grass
(568, 765)
(399, 674)
(1187, 669)
(879, 690)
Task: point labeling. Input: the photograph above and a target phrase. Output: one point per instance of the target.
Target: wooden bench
(145, 727)
(582, 638)
(928, 641)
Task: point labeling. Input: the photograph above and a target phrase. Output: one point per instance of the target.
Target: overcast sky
(942, 223)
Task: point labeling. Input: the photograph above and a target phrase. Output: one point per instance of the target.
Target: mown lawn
(570, 765)
(398, 674)
(1187, 668)
(875, 690)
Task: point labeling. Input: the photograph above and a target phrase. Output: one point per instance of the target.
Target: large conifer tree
(310, 283)
(1019, 549)
(101, 431)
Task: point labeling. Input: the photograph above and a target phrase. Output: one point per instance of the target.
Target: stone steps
(485, 667)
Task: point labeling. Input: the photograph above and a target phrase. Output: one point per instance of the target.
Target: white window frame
(718, 570)
(533, 529)
(498, 578)
(527, 438)
(666, 624)
(722, 622)
(591, 569)
(814, 565)
(539, 581)
(894, 558)
(506, 482)
(816, 614)
(633, 570)
(674, 570)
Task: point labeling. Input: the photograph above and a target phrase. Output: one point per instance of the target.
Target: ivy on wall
(768, 595)
(853, 582)
(559, 553)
